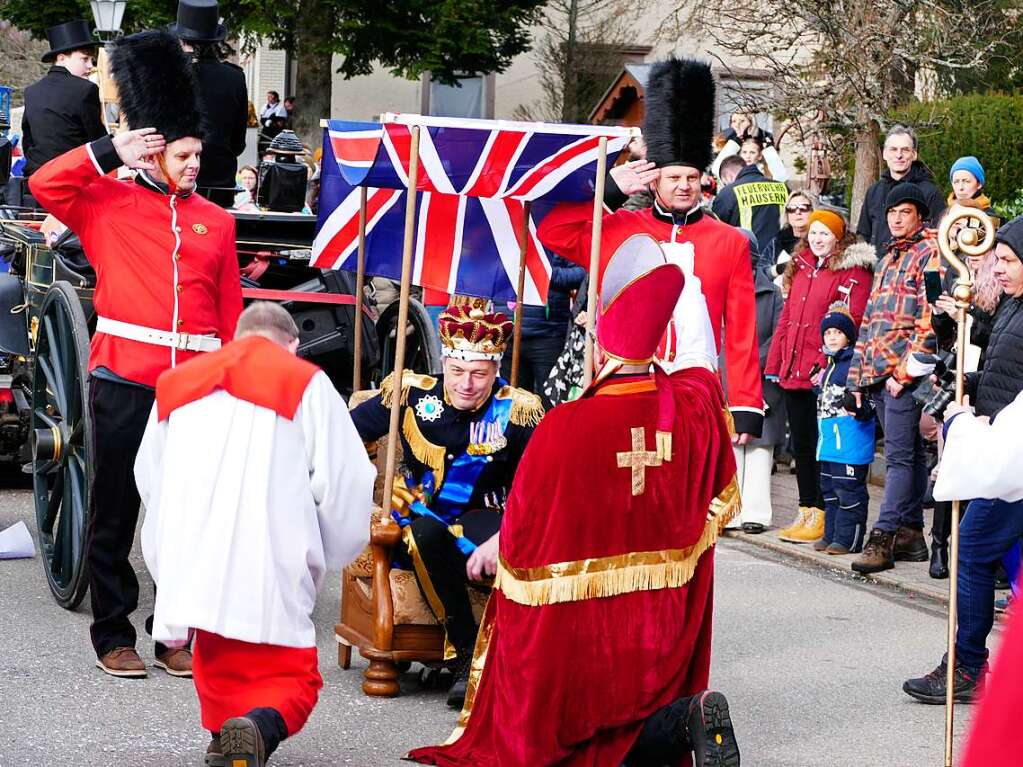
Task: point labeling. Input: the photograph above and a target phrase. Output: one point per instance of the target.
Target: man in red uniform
(167, 288)
(713, 255)
(595, 649)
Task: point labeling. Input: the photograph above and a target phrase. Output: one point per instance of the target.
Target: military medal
(429, 408)
(199, 228)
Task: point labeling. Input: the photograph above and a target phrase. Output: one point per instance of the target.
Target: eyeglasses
(799, 209)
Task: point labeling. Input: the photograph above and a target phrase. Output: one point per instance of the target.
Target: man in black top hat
(62, 110)
(223, 94)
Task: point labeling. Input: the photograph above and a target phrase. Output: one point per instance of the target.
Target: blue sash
(486, 437)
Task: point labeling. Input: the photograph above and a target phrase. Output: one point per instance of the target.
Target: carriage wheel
(422, 350)
(61, 440)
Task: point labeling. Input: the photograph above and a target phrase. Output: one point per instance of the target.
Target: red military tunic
(722, 263)
(162, 261)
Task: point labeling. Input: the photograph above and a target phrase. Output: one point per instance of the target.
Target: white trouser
(753, 470)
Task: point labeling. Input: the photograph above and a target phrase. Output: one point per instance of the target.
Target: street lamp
(108, 14)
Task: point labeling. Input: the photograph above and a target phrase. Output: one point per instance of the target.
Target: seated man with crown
(462, 436)
(595, 647)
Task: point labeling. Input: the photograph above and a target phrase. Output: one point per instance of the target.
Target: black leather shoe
(931, 688)
(753, 528)
(910, 546)
(709, 731)
(939, 560)
(462, 665)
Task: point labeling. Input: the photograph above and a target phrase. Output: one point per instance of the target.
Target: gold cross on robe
(638, 459)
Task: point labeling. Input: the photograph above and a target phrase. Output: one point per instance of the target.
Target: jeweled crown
(469, 332)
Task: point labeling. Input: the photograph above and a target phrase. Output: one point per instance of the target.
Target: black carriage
(47, 318)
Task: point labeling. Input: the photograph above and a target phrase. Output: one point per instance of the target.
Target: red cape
(996, 739)
(569, 667)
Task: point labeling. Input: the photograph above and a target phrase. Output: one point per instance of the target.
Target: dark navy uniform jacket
(435, 433)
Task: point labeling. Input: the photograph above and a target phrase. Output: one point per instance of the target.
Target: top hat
(69, 36)
(198, 22)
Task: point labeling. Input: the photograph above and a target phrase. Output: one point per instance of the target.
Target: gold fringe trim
(425, 451)
(409, 378)
(526, 409)
(426, 586)
(621, 574)
(728, 505)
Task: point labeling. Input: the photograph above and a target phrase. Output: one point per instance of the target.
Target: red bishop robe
(601, 612)
(721, 262)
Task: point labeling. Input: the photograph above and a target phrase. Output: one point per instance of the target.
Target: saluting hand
(135, 147)
(635, 176)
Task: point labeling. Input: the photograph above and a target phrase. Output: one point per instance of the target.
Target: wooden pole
(591, 295)
(360, 283)
(520, 288)
(403, 299)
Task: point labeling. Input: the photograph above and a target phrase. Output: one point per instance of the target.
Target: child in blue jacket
(845, 444)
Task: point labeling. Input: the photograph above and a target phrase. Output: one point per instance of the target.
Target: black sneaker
(709, 731)
(931, 688)
(460, 669)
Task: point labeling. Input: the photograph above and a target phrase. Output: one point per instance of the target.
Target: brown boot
(176, 661)
(214, 754)
(123, 662)
(877, 553)
(910, 546)
(242, 743)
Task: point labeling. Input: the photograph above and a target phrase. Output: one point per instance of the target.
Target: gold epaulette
(526, 409)
(409, 378)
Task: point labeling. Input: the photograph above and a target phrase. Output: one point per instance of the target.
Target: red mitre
(469, 332)
(637, 298)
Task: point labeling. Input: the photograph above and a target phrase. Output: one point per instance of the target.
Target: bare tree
(844, 65)
(20, 63)
(582, 46)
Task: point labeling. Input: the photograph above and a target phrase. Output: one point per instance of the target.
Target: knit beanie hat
(841, 318)
(908, 192)
(971, 165)
(830, 219)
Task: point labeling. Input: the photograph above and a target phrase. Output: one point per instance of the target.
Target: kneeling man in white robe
(255, 484)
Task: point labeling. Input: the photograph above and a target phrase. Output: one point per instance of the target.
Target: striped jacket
(897, 319)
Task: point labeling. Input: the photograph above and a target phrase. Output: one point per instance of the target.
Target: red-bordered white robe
(255, 483)
(718, 256)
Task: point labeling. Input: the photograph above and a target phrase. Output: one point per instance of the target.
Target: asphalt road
(812, 664)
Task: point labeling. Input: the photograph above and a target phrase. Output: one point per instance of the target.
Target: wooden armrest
(386, 534)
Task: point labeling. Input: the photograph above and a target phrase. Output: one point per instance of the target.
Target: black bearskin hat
(680, 109)
(156, 85)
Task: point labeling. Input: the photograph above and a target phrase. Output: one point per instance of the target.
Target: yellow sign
(754, 195)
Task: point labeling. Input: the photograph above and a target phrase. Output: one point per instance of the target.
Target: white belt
(185, 341)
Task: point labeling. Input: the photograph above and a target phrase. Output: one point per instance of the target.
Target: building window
(472, 97)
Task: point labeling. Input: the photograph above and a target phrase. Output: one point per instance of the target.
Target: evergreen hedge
(989, 126)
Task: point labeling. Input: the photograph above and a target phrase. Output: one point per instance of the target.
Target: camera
(933, 396)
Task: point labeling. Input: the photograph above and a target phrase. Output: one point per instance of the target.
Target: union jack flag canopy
(474, 179)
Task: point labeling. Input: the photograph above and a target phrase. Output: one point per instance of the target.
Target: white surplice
(983, 460)
(246, 511)
(689, 339)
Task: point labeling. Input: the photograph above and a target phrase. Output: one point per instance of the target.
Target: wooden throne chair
(383, 613)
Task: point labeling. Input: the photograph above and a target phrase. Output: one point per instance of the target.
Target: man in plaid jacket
(896, 325)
